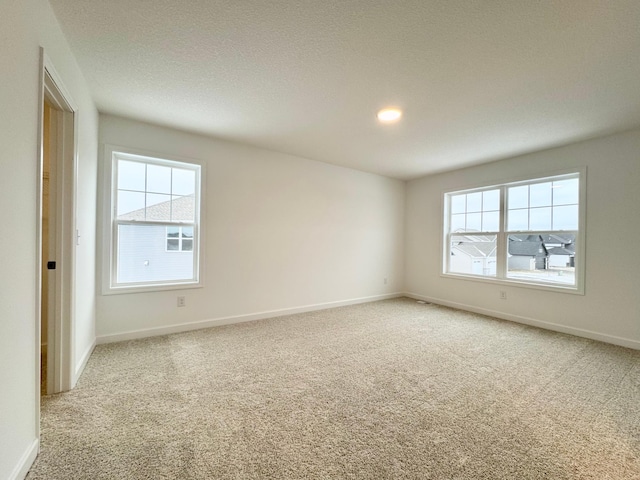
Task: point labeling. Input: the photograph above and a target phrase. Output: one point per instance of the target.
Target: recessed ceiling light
(388, 115)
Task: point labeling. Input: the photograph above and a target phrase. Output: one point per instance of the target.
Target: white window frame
(110, 225)
(502, 235)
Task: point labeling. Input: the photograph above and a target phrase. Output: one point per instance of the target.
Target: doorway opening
(48, 224)
(56, 234)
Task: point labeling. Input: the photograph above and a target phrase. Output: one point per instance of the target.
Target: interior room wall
(84, 300)
(609, 309)
(282, 233)
(24, 27)
(84, 335)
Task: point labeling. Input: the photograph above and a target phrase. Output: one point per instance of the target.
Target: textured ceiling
(478, 80)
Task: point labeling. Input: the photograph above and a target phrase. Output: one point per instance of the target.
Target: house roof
(563, 238)
(178, 209)
(476, 249)
(526, 247)
(471, 237)
(525, 237)
(307, 78)
(530, 245)
(562, 251)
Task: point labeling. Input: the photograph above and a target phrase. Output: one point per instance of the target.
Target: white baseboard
(82, 363)
(185, 327)
(556, 327)
(26, 461)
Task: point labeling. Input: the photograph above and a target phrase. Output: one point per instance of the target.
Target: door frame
(61, 327)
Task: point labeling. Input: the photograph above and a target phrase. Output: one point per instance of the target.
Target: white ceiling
(478, 80)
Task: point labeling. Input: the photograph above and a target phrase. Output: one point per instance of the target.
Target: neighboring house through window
(179, 239)
(529, 232)
(154, 211)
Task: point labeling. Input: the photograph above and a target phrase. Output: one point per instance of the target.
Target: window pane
(187, 245)
(565, 217)
(473, 255)
(491, 221)
(184, 182)
(474, 202)
(540, 195)
(183, 209)
(173, 244)
(130, 205)
(518, 197)
(540, 218)
(518, 220)
(187, 232)
(565, 192)
(131, 175)
(544, 258)
(457, 222)
(491, 200)
(143, 256)
(158, 207)
(458, 203)
(173, 232)
(474, 222)
(158, 179)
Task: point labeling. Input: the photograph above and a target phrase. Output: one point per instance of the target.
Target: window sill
(159, 287)
(574, 290)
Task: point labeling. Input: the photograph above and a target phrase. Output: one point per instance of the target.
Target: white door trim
(59, 345)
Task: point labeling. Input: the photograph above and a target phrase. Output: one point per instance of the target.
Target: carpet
(384, 390)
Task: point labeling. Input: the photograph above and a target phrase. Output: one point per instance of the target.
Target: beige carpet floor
(384, 390)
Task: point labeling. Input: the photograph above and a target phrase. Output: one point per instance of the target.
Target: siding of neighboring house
(142, 249)
(469, 255)
(522, 262)
(140, 244)
(562, 257)
(474, 266)
(526, 252)
(561, 249)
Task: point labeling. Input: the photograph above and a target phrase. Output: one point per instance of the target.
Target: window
(529, 232)
(154, 212)
(179, 239)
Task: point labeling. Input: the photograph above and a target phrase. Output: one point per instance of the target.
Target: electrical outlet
(503, 295)
(182, 301)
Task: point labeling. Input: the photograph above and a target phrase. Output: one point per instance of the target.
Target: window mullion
(501, 253)
(448, 259)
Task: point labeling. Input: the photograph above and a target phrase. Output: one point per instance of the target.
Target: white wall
(610, 308)
(282, 232)
(24, 27)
